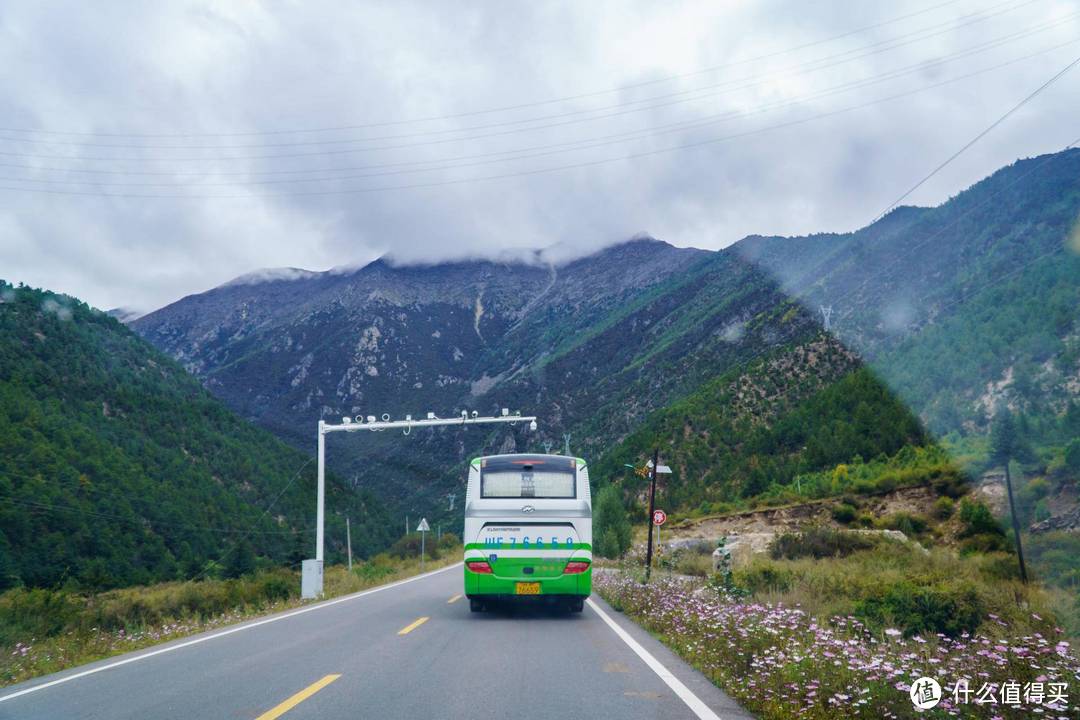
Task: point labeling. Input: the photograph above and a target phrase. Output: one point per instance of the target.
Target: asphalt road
(374, 655)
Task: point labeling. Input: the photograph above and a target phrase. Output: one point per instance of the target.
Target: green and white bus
(528, 530)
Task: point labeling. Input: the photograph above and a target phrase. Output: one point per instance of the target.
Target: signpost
(659, 517)
(654, 468)
(422, 528)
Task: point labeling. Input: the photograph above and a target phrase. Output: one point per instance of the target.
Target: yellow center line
(298, 698)
(412, 626)
(453, 599)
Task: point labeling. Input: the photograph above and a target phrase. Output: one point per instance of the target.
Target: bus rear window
(540, 480)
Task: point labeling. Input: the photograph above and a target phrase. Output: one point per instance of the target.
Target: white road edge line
(699, 708)
(223, 633)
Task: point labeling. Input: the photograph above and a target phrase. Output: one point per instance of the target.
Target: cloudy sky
(152, 150)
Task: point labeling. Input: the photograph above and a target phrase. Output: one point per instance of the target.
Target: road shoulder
(716, 699)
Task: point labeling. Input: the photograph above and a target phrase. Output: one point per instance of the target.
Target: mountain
(937, 316)
(959, 306)
(124, 315)
(118, 468)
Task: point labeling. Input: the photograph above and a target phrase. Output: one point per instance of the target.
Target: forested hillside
(939, 316)
(117, 467)
(753, 432)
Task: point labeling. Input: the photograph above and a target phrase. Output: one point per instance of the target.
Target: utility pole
(652, 507)
(566, 444)
(1006, 446)
(348, 542)
(1015, 524)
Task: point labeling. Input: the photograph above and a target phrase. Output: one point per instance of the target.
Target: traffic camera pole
(313, 587)
(652, 507)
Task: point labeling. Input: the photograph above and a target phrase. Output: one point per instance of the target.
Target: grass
(783, 662)
(893, 584)
(832, 622)
(43, 631)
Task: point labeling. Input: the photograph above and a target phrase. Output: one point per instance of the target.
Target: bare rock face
(1068, 521)
(991, 490)
(286, 348)
(1064, 512)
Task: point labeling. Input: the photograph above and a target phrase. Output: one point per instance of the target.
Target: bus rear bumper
(566, 585)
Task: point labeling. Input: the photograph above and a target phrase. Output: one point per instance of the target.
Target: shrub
(692, 563)
(984, 543)
(949, 482)
(944, 508)
(763, 576)
(907, 523)
(376, 568)
(844, 513)
(818, 542)
(449, 541)
(409, 546)
(977, 519)
(939, 608)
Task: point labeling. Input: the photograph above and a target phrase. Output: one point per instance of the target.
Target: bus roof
(529, 458)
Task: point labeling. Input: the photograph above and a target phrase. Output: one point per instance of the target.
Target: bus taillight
(576, 566)
(479, 566)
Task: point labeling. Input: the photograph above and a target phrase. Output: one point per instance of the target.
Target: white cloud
(243, 68)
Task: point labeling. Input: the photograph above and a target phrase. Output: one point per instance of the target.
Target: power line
(265, 511)
(619, 109)
(956, 221)
(798, 69)
(504, 108)
(982, 134)
(651, 130)
(543, 150)
(528, 173)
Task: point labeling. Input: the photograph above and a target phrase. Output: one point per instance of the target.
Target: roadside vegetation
(839, 614)
(785, 661)
(44, 631)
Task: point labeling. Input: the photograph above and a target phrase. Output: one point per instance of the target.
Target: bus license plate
(527, 588)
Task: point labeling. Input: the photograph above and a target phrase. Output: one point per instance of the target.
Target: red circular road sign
(659, 517)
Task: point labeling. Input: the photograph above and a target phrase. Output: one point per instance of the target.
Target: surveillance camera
(532, 426)
(346, 420)
(464, 413)
(371, 418)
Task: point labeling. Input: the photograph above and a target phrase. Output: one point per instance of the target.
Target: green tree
(611, 524)
(1072, 456)
(241, 560)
